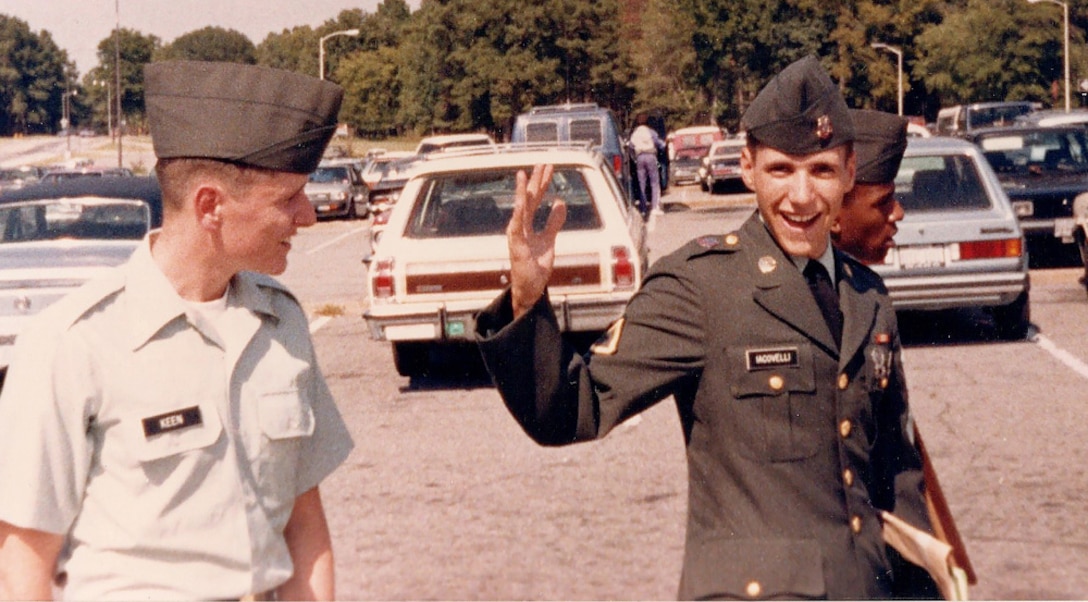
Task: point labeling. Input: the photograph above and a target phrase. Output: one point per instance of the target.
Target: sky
(77, 26)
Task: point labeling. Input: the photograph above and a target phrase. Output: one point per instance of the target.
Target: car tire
(1012, 321)
(412, 358)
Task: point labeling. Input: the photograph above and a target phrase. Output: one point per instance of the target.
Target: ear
(207, 204)
(747, 167)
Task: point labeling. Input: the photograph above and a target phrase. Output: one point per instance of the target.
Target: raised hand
(532, 254)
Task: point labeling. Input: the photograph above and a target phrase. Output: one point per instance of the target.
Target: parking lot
(445, 498)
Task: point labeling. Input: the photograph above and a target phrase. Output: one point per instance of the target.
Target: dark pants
(651, 191)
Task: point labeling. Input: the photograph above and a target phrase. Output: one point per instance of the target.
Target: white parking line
(333, 241)
(1071, 361)
(318, 323)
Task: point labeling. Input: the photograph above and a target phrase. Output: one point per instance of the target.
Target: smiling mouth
(800, 221)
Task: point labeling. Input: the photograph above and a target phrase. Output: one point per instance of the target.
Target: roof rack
(508, 148)
(564, 108)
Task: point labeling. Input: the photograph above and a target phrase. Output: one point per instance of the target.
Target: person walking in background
(170, 422)
(646, 143)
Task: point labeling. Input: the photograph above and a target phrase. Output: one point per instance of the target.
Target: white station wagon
(444, 256)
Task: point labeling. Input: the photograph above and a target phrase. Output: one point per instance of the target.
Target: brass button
(731, 239)
(855, 524)
(848, 477)
(845, 427)
(883, 383)
(753, 589)
(844, 381)
(776, 382)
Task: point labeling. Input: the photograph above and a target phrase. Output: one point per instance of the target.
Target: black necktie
(826, 297)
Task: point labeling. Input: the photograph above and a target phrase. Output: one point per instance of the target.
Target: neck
(195, 269)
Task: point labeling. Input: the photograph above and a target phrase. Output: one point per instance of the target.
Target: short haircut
(177, 177)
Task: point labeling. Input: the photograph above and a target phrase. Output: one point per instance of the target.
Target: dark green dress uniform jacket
(792, 445)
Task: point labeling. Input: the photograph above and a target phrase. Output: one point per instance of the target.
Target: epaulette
(716, 243)
(266, 281)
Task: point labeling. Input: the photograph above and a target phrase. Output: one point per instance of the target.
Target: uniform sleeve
(331, 442)
(559, 396)
(46, 406)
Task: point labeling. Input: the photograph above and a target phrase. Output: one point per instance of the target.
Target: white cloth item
(642, 139)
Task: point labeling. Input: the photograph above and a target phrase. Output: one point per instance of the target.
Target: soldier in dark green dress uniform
(789, 383)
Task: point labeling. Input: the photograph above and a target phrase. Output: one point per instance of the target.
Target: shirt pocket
(774, 406)
(286, 420)
(178, 453)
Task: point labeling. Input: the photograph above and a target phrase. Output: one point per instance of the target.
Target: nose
(801, 188)
(305, 215)
(897, 212)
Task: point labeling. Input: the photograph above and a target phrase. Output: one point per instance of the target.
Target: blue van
(578, 122)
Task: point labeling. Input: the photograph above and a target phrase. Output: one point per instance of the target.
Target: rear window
(329, 175)
(77, 218)
(940, 183)
(542, 131)
(587, 130)
(480, 204)
(1037, 152)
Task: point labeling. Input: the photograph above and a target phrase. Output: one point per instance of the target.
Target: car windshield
(981, 117)
(1036, 152)
(480, 204)
(329, 175)
(77, 218)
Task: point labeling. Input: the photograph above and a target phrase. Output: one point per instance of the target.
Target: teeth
(799, 219)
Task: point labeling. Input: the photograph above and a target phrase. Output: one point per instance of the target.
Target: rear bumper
(957, 290)
(456, 321)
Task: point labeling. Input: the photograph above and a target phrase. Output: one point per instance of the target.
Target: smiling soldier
(781, 353)
(170, 420)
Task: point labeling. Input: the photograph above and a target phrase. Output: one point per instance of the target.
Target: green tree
(371, 82)
(665, 65)
(34, 77)
(136, 50)
(292, 49)
(210, 44)
(991, 50)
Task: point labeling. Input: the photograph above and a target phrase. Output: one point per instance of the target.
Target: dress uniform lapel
(858, 309)
(782, 290)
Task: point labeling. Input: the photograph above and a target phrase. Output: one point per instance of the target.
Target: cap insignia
(824, 130)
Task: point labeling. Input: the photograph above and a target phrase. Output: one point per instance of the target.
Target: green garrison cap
(256, 116)
(800, 111)
(881, 140)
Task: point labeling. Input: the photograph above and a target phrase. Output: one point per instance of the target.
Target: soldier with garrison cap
(865, 227)
(170, 420)
(788, 382)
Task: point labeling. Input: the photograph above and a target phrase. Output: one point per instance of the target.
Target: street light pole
(1065, 47)
(321, 48)
(899, 67)
(117, 72)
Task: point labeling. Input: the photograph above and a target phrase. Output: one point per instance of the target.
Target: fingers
(528, 195)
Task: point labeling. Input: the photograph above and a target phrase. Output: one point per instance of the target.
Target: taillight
(382, 283)
(623, 270)
(617, 165)
(991, 249)
(381, 218)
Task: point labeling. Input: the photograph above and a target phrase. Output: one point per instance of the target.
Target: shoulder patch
(708, 242)
(610, 341)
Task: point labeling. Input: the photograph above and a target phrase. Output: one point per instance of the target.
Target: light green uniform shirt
(169, 450)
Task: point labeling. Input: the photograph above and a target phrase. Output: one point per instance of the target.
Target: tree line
(461, 65)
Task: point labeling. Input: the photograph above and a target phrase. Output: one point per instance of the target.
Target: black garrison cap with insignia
(245, 114)
(800, 111)
(881, 140)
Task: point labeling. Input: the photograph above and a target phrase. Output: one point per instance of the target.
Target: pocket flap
(284, 414)
(746, 568)
(153, 444)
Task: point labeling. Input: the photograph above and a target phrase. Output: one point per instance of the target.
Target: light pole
(109, 105)
(1065, 49)
(117, 73)
(321, 47)
(899, 68)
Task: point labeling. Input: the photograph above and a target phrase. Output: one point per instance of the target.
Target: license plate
(1063, 228)
(931, 256)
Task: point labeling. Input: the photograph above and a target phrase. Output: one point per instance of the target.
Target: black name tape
(767, 359)
(172, 421)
